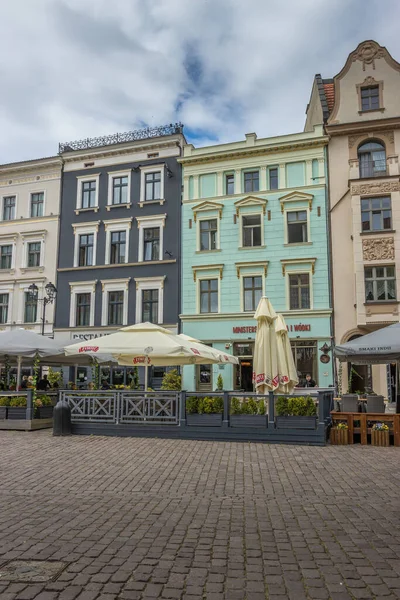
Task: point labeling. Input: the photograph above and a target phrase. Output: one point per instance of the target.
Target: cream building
(29, 222)
(361, 112)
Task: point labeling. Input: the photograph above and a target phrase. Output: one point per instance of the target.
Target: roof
(326, 90)
(329, 94)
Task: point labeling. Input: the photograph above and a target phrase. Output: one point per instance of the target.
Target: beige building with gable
(361, 112)
(29, 222)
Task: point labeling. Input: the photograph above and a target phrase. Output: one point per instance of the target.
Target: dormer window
(372, 159)
(370, 97)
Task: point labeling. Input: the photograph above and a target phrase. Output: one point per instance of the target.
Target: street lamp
(51, 292)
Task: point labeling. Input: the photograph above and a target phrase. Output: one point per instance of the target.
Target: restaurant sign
(253, 328)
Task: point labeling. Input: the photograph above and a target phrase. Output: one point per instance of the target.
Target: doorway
(244, 375)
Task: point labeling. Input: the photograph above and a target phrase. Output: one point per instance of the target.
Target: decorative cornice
(298, 261)
(218, 268)
(360, 127)
(378, 249)
(296, 197)
(374, 187)
(207, 206)
(254, 263)
(367, 53)
(248, 316)
(119, 266)
(251, 201)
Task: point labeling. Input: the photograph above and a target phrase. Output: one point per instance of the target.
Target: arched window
(372, 159)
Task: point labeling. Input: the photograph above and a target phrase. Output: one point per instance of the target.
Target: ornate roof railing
(120, 138)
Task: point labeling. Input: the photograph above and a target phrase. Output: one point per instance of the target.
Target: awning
(380, 347)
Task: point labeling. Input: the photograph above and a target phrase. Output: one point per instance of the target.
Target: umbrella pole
(19, 361)
(146, 377)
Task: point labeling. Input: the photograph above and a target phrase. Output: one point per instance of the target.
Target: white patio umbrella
(286, 367)
(146, 344)
(22, 343)
(265, 370)
(222, 357)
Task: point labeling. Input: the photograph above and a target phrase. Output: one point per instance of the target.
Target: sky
(71, 69)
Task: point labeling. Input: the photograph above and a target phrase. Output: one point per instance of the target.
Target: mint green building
(254, 222)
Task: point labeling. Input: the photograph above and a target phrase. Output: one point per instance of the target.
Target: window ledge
(251, 247)
(377, 232)
(91, 209)
(40, 269)
(371, 110)
(146, 202)
(7, 271)
(208, 251)
(289, 245)
(122, 205)
(383, 302)
(209, 313)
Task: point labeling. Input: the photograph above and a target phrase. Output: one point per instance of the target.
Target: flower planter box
(44, 412)
(289, 422)
(339, 437)
(16, 412)
(3, 412)
(248, 421)
(204, 420)
(379, 438)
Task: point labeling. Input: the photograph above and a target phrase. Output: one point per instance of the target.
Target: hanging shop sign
(325, 358)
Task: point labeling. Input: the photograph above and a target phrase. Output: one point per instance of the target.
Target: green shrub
(248, 406)
(261, 407)
(18, 401)
(220, 383)
(4, 401)
(45, 400)
(297, 406)
(236, 408)
(172, 381)
(210, 405)
(192, 404)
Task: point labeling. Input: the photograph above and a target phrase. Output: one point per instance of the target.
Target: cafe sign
(253, 328)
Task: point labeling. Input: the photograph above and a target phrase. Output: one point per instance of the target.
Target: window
(117, 247)
(208, 234)
(30, 308)
(83, 310)
(251, 181)
(209, 295)
(153, 186)
(6, 257)
(34, 254)
(372, 159)
(305, 356)
(370, 97)
(299, 291)
(115, 308)
(9, 208)
(251, 225)
(229, 184)
(273, 178)
(86, 243)
(376, 214)
(37, 203)
(380, 284)
(151, 249)
(4, 308)
(88, 194)
(150, 306)
(252, 292)
(297, 227)
(120, 190)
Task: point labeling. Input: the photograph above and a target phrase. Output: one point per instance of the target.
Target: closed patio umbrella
(286, 367)
(265, 370)
(146, 344)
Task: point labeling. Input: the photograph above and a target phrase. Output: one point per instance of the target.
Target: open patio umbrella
(222, 357)
(286, 367)
(379, 347)
(265, 370)
(146, 344)
(22, 343)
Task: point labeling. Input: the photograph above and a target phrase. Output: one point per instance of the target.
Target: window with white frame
(299, 291)
(252, 291)
(4, 307)
(208, 233)
(117, 240)
(380, 283)
(34, 250)
(30, 308)
(297, 226)
(9, 208)
(152, 183)
(208, 295)
(119, 186)
(85, 245)
(251, 230)
(37, 204)
(115, 302)
(82, 303)
(6, 253)
(151, 237)
(88, 192)
(149, 299)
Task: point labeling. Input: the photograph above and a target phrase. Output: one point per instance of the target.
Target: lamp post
(51, 292)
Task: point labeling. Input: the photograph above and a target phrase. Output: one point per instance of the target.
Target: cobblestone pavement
(136, 519)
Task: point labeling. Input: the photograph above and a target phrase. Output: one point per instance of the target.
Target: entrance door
(204, 378)
(246, 375)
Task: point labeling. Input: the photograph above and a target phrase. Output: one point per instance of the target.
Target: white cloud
(71, 69)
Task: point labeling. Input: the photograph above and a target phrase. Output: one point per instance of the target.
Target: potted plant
(380, 435)
(171, 381)
(295, 412)
(247, 412)
(205, 412)
(17, 408)
(339, 435)
(4, 403)
(43, 407)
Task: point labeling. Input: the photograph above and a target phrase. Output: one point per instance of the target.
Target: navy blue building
(119, 246)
